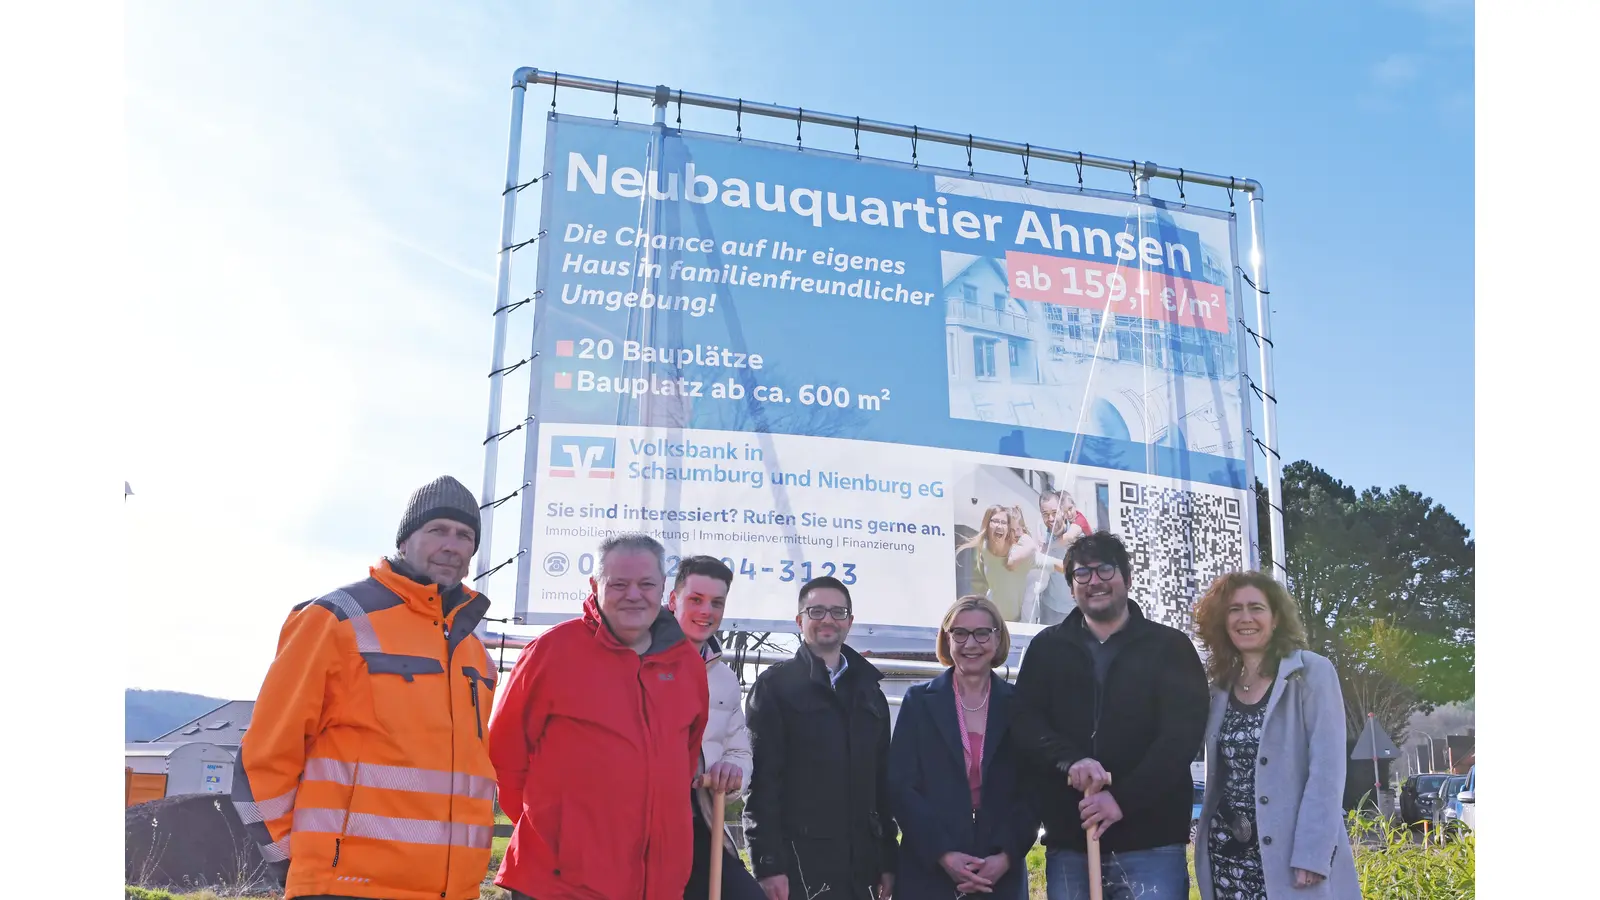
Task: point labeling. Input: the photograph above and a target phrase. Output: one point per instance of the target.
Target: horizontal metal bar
(662, 95)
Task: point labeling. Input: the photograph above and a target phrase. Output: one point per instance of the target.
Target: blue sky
(314, 208)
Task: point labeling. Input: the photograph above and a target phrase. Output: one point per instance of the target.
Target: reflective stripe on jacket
(365, 771)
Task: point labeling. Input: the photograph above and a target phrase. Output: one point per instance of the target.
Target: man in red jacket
(595, 740)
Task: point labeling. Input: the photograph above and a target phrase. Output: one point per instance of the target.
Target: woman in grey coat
(1272, 824)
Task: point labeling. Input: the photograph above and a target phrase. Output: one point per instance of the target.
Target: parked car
(1466, 802)
(1444, 815)
(1417, 796)
(1194, 815)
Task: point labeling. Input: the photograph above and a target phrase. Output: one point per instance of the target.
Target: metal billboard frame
(1141, 174)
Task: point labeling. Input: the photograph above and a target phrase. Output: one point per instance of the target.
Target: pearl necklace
(963, 702)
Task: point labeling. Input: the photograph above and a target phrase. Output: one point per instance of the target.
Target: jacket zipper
(449, 848)
(345, 825)
(477, 717)
(649, 795)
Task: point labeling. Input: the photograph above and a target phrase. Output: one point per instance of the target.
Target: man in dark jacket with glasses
(1112, 708)
(817, 816)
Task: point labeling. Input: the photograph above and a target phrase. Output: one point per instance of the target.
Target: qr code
(1179, 541)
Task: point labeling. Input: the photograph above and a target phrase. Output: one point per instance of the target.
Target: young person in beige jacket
(699, 595)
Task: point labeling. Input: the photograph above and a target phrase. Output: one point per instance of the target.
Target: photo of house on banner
(1071, 368)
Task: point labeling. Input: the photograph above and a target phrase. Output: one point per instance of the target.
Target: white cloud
(1395, 71)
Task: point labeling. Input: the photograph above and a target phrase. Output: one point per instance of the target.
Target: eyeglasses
(981, 635)
(818, 613)
(1105, 570)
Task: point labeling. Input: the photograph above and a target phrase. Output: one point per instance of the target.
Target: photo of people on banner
(1013, 528)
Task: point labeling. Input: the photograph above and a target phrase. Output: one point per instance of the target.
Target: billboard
(921, 382)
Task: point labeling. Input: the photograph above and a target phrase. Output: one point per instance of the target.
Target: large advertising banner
(921, 382)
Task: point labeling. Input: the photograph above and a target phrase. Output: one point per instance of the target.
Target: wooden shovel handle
(1096, 889)
(718, 813)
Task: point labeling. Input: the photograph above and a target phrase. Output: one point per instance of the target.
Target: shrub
(1392, 865)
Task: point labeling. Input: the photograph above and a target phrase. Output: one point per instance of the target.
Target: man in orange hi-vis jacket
(364, 773)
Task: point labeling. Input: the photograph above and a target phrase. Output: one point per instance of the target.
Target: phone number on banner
(786, 570)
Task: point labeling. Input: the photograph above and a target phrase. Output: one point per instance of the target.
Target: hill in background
(151, 714)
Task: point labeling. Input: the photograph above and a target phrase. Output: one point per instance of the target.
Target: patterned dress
(1235, 855)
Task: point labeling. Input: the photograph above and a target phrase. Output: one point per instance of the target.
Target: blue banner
(713, 313)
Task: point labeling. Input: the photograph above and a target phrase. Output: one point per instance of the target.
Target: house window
(1012, 354)
(1129, 347)
(1058, 328)
(983, 357)
(969, 292)
(1052, 311)
(1000, 300)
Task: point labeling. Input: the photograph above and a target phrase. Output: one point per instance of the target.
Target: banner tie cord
(502, 435)
(514, 366)
(496, 504)
(969, 155)
(1260, 393)
(1252, 332)
(530, 182)
(1180, 186)
(738, 120)
(555, 85)
(511, 306)
(616, 92)
(799, 115)
(1265, 449)
(499, 567)
(913, 146)
(680, 108)
(1230, 192)
(1027, 150)
(515, 247)
(1252, 284)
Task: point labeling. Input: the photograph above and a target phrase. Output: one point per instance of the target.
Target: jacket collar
(421, 595)
(712, 651)
(421, 592)
(857, 667)
(665, 632)
(1288, 667)
(942, 690)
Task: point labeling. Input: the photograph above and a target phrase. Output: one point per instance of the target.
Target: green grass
(1391, 862)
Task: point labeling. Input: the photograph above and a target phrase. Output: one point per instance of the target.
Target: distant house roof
(224, 725)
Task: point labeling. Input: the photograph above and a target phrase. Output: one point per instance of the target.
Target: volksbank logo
(583, 457)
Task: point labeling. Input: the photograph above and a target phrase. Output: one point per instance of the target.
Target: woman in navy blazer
(955, 777)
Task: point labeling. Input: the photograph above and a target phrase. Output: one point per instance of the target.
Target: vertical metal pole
(1241, 357)
(1141, 190)
(502, 295)
(1269, 405)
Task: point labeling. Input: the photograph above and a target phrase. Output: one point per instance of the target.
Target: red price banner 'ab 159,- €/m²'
(1118, 290)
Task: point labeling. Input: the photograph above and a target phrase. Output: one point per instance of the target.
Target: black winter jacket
(1145, 725)
(818, 808)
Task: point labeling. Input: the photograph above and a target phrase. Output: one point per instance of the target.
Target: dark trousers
(737, 882)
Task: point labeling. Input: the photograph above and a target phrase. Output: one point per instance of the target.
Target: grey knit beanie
(442, 498)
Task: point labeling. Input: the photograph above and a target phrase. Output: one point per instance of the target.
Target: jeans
(1155, 874)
